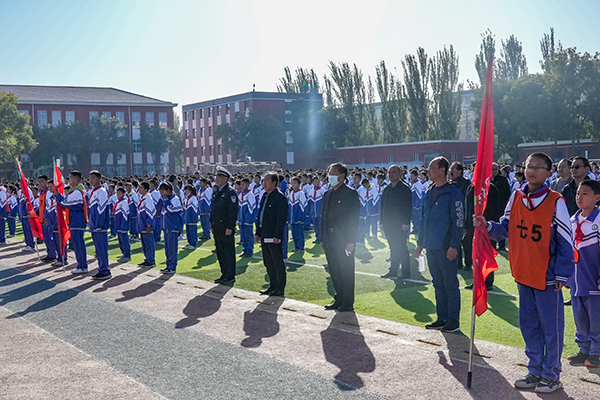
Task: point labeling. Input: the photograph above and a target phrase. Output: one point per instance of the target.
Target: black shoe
(228, 282)
(593, 361)
(219, 280)
(332, 306)
(437, 324)
(469, 286)
(405, 276)
(279, 293)
(266, 291)
(468, 267)
(345, 309)
(451, 326)
(48, 260)
(390, 275)
(102, 276)
(167, 271)
(568, 302)
(578, 359)
(489, 288)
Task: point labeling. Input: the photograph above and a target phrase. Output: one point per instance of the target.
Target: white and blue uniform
(318, 210)
(205, 197)
(3, 214)
(246, 219)
(121, 215)
(362, 222)
(75, 203)
(156, 197)
(13, 211)
(49, 215)
(146, 212)
(112, 200)
(172, 225)
(297, 205)
(373, 196)
(191, 220)
(24, 217)
(132, 201)
(417, 204)
(308, 190)
(99, 223)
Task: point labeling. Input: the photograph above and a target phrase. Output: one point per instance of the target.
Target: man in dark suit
(501, 183)
(396, 213)
(223, 216)
(339, 229)
(272, 217)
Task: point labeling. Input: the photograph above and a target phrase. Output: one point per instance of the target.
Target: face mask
(333, 180)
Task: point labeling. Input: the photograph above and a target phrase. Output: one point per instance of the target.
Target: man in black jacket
(396, 213)
(223, 216)
(339, 229)
(272, 216)
(501, 183)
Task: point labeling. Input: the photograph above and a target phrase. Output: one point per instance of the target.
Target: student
(51, 216)
(3, 214)
(24, 217)
(120, 213)
(362, 222)
(157, 198)
(99, 223)
(318, 194)
(205, 197)
(308, 190)
(12, 208)
(416, 188)
(146, 213)
(47, 214)
(297, 204)
(191, 216)
(172, 224)
(132, 202)
(537, 223)
(585, 281)
(519, 182)
(112, 200)
(246, 217)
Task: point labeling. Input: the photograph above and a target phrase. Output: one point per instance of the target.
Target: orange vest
(529, 233)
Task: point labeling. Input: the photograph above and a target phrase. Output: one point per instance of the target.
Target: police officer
(223, 218)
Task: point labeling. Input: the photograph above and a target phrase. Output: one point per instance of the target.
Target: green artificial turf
(408, 302)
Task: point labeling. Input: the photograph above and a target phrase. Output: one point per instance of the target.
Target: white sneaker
(189, 247)
(58, 264)
(79, 271)
(28, 249)
(124, 259)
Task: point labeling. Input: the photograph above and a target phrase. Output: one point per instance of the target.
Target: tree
(16, 135)
(416, 81)
(109, 137)
(512, 63)
(50, 142)
(154, 140)
(304, 81)
(393, 105)
(446, 95)
(262, 138)
(175, 140)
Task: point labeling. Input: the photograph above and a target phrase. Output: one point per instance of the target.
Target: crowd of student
(560, 237)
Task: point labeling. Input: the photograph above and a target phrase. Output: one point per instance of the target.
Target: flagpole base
(469, 379)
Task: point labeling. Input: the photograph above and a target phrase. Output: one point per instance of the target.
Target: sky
(186, 51)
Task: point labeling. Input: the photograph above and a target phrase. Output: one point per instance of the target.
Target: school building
(55, 105)
(200, 120)
(557, 150)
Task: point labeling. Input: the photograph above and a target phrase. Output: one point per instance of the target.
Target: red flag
(64, 233)
(34, 220)
(484, 255)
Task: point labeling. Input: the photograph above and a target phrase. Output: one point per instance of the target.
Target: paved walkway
(148, 336)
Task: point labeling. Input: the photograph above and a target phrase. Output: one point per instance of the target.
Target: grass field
(409, 302)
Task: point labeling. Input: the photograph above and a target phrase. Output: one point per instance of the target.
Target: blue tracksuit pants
(79, 247)
(205, 222)
(113, 231)
(148, 246)
(133, 225)
(157, 228)
(247, 238)
(2, 230)
(171, 242)
(124, 244)
(286, 239)
(56, 239)
(51, 247)
(445, 284)
(586, 310)
(12, 225)
(298, 236)
(101, 244)
(191, 231)
(317, 221)
(542, 321)
(27, 232)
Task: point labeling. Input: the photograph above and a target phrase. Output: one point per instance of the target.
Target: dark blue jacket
(443, 218)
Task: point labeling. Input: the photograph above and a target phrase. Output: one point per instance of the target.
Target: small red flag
(484, 255)
(34, 220)
(64, 233)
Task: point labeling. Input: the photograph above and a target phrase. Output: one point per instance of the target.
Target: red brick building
(200, 120)
(55, 105)
(589, 148)
(413, 154)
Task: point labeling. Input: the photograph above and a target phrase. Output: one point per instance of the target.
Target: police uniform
(223, 216)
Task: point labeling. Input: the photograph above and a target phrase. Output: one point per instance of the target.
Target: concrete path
(145, 335)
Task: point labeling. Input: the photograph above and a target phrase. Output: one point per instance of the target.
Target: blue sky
(186, 51)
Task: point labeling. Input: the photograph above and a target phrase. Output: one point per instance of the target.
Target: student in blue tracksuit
(3, 214)
(99, 223)
(286, 231)
(77, 217)
(191, 216)
(308, 188)
(51, 216)
(205, 199)
(172, 225)
(24, 217)
(132, 201)
(297, 204)
(157, 198)
(12, 205)
(120, 212)
(318, 194)
(47, 214)
(112, 200)
(246, 217)
(146, 213)
(417, 200)
(363, 224)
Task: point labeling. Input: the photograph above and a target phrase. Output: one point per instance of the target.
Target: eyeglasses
(577, 166)
(536, 169)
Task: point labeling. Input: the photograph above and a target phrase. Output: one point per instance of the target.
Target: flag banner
(34, 220)
(64, 234)
(484, 255)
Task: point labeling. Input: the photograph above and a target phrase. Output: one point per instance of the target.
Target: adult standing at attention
(580, 168)
(563, 177)
(440, 234)
(223, 217)
(272, 217)
(339, 230)
(504, 192)
(396, 213)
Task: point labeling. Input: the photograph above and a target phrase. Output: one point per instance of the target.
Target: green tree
(175, 140)
(446, 95)
(393, 105)
(108, 136)
(304, 81)
(260, 137)
(16, 135)
(154, 140)
(416, 81)
(50, 142)
(512, 63)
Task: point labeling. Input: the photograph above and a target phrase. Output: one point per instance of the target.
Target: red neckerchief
(533, 196)
(187, 203)
(316, 190)
(367, 194)
(115, 206)
(141, 201)
(93, 190)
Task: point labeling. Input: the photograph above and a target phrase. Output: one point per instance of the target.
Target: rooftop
(30, 94)
(253, 95)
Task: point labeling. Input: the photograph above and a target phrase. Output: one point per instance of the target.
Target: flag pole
(471, 346)
(62, 247)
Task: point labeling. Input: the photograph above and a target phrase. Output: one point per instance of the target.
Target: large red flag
(64, 233)
(484, 255)
(34, 220)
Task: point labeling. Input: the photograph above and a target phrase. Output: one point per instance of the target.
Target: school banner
(34, 220)
(64, 233)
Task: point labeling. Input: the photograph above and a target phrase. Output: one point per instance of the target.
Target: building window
(137, 146)
(69, 117)
(137, 169)
(219, 149)
(453, 156)
(56, 118)
(106, 114)
(93, 114)
(201, 132)
(210, 131)
(201, 113)
(227, 107)
(136, 118)
(210, 148)
(150, 118)
(162, 120)
(416, 157)
(390, 158)
(42, 118)
(361, 159)
(187, 133)
(24, 112)
(194, 114)
(185, 116)
(203, 151)
(218, 108)
(120, 116)
(194, 132)
(246, 105)
(209, 112)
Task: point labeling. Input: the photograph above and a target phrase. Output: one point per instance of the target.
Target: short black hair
(592, 184)
(442, 162)
(121, 189)
(145, 185)
(166, 186)
(44, 177)
(96, 173)
(76, 174)
(547, 160)
(585, 161)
